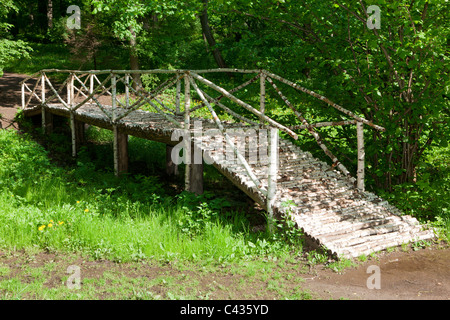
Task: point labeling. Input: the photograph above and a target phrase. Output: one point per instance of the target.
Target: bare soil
(411, 275)
(422, 274)
(10, 98)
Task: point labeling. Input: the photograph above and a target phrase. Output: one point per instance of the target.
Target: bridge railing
(99, 88)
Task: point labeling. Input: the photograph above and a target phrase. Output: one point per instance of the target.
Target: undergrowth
(80, 208)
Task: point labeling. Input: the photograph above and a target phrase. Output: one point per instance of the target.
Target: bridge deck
(324, 203)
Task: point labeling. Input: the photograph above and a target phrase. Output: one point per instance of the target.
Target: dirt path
(10, 96)
(422, 274)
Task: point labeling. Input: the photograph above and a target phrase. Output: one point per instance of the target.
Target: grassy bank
(83, 209)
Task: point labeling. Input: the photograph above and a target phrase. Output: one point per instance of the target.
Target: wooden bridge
(326, 201)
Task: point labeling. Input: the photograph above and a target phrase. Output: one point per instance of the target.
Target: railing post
(178, 94)
(43, 87)
(91, 86)
(43, 112)
(73, 131)
(70, 91)
(262, 97)
(120, 144)
(187, 133)
(272, 174)
(23, 95)
(361, 155)
(47, 117)
(127, 91)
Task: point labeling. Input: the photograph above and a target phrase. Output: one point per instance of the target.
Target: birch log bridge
(327, 203)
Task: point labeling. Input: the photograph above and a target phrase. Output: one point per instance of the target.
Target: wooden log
(168, 117)
(226, 70)
(70, 91)
(195, 172)
(186, 127)
(239, 156)
(245, 105)
(312, 131)
(361, 155)
(47, 120)
(220, 97)
(33, 92)
(262, 97)
(127, 91)
(79, 91)
(177, 102)
(56, 93)
(73, 134)
(100, 83)
(77, 129)
(318, 96)
(323, 124)
(91, 87)
(171, 166)
(23, 95)
(92, 97)
(272, 175)
(120, 146)
(228, 110)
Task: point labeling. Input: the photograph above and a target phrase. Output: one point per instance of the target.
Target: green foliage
(9, 49)
(21, 161)
(83, 209)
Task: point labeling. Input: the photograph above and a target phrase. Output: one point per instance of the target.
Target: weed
(316, 257)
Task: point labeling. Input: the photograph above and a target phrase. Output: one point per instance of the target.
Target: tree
(207, 33)
(125, 19)
(395, 76)
(9, 49)
(85, 43)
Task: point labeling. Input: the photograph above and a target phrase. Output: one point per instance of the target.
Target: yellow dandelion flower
(78, 201)
(86, 210)
(60, 222)
(51, 221)
(50, 225)
(41, 228)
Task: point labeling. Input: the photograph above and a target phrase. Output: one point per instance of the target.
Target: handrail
(96, 88)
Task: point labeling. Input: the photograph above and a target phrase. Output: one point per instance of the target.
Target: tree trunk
(134, 61)
(49, 14)
(207, 33)
(41, 17)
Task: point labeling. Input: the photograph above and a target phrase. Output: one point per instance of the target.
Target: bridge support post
(78, 134)
(120, 152)
(171, 167)
(194, 174)
(47, 121)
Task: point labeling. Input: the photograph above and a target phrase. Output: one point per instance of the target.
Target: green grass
(81, 209)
